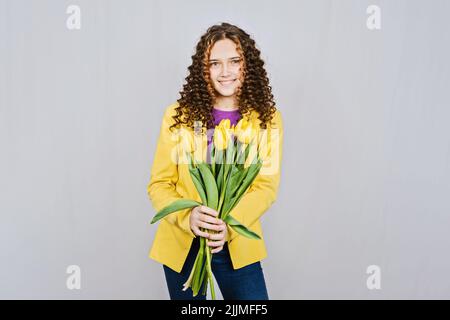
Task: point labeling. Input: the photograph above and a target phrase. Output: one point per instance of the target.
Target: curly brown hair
(198, 95)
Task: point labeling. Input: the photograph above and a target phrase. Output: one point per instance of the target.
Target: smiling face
(225, 68)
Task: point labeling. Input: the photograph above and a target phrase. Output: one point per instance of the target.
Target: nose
(225, 70)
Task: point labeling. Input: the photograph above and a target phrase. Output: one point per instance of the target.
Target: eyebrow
(211, 60)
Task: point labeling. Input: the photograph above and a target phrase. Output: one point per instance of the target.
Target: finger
(217, 236)
(215, 244)
(221, 228)
(209, 211)
(200, 233)
(214, 227)
(217, 250)
(208, 218)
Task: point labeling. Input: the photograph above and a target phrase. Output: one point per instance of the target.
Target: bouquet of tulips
(235, 161)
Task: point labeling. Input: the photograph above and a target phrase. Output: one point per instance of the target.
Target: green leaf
(226, 190)
(177, 205)
(240, 228)
(248, 180)
(197, 180)
(233, 183)
(210, 186)
(237, 176)
(246, 232)
(190, 161)
(247, 150)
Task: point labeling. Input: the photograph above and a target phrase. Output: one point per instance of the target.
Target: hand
(206, 218)
(217, 240)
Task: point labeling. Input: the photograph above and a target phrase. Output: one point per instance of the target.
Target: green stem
(208, 266)
(222, 192)
(188, 283)
(199, 269)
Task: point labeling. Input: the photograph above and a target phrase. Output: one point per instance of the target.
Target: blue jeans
(246, 283)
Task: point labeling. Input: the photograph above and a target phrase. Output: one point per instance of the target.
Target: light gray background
(365, 177)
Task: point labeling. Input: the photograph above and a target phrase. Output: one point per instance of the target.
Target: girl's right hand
(207, 218)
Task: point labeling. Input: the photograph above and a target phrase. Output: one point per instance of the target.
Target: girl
(226, 80)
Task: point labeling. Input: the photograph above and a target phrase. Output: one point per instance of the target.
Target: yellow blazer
(170, 181)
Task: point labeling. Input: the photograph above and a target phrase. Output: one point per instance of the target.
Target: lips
(227, 82)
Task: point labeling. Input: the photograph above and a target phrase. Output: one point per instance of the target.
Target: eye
(213, 64)
(236, 61)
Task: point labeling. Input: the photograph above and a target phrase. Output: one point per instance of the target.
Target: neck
(226, 104)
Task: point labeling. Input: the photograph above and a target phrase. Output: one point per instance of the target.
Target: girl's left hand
(217, 240)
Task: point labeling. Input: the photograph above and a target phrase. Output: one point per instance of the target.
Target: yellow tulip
(220, 139)
(222, 135)
(225, 123)
(244, 131)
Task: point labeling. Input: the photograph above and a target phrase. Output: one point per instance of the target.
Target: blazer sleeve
(264, 189)
(161, 189)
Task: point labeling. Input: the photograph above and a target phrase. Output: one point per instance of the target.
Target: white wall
(366, 170)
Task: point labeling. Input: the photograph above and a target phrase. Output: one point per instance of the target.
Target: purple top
(218, 116)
